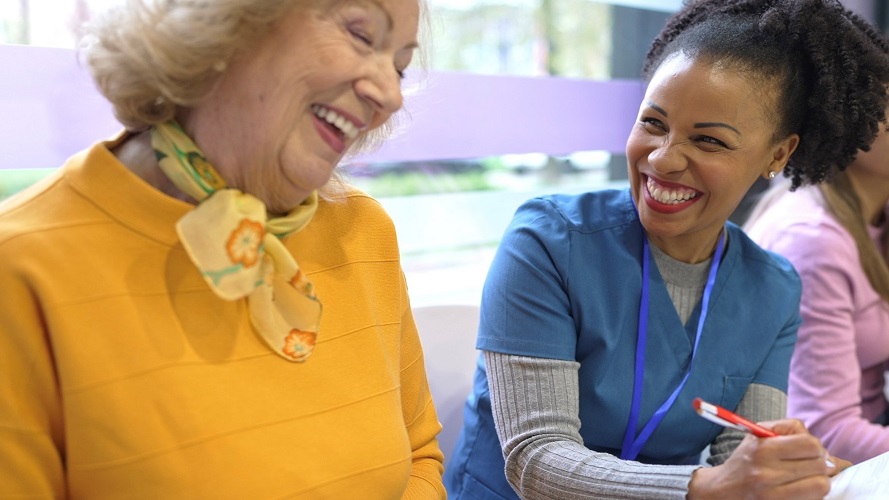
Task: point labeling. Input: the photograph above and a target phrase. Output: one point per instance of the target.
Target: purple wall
(468, 115)
(49, 109)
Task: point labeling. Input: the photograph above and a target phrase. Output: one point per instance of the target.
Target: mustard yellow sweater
(123, 376)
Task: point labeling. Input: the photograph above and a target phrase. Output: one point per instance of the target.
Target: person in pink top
(835, 236)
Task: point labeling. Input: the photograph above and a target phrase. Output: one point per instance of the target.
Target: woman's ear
(782, 152)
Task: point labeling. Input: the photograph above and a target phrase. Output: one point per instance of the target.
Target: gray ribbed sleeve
(536, 408)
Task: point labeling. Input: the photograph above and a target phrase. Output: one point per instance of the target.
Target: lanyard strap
(632, 446)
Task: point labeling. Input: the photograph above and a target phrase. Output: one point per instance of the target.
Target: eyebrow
(656, 108)
(379, 6)
(717, 124)
(696, 125)
(390, 23)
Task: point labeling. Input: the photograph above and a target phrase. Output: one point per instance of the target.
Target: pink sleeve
(825, 376)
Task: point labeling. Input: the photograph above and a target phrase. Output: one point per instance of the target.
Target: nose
(381, 87)
(666, 158)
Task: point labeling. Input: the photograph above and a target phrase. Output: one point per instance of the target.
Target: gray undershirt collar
(685, 282)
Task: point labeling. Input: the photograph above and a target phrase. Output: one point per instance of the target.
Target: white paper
(867, 480)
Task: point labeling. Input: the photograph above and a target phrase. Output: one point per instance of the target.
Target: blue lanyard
(632, 446)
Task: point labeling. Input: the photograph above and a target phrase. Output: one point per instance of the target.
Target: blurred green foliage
(413, 183)
(13, 180)
(569, 38)
(389, 184)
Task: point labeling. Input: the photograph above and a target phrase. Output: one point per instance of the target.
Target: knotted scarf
(238, 249)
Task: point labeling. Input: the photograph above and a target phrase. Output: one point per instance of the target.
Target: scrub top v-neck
(565, 284)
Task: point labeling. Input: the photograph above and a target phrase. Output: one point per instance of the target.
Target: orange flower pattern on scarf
(299, 344)
(244, 244)
(301, 283)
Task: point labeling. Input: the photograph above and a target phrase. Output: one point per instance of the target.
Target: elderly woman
(193, 308)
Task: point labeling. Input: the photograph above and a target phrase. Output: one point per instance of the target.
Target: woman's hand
(789, 466)
(840, 464)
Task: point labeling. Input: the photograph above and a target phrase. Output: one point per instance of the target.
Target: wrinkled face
(284, 112)
(703, 135)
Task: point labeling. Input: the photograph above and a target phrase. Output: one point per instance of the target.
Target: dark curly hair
(829, 66)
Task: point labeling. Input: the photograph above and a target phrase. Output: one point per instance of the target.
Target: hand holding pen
(788, 463)
(727, 418)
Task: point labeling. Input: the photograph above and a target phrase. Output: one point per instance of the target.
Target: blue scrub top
(566, 283)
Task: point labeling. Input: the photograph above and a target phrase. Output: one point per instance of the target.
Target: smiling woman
(197, 306)
(267, 133)
(605, 314)
(698, 146)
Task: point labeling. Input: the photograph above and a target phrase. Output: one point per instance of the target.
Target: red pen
(726, 418)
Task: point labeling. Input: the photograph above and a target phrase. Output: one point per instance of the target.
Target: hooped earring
(772, 174)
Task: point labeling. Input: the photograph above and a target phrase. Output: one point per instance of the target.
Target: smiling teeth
(669, 196)
(332, 117)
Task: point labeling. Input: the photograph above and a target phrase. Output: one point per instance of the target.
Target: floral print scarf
(238, 249)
